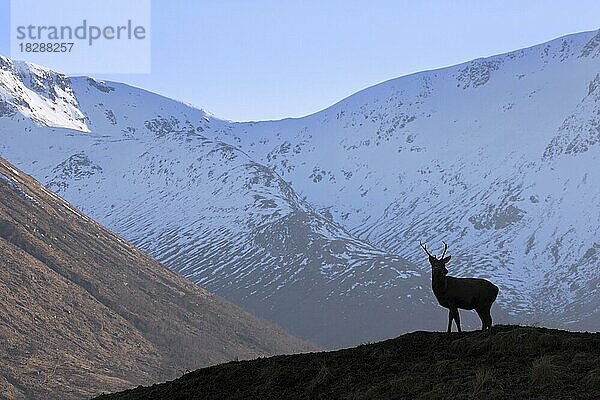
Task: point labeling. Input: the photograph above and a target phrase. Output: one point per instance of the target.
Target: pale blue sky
(254, 60)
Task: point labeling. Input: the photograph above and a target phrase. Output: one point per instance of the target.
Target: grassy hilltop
(511, 362)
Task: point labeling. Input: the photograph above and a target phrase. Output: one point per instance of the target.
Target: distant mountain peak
(40, 94)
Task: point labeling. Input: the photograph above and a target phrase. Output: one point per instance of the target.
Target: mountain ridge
(452, 154)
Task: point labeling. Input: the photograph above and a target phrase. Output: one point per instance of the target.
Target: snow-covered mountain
(497, 156)
(149, 168)
(38, 94)
(314, 222)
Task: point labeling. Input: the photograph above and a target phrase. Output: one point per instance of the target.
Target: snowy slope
(314, 222)
(497, 156)
(39, 94)
(148, 169)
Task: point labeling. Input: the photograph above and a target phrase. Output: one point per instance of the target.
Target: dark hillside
(510, 363)
(83, 311)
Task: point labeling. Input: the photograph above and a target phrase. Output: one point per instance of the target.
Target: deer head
(438, 265)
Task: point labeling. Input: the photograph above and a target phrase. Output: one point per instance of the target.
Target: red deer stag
(464, 293)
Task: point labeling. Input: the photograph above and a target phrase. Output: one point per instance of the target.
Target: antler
(424, 247)
(445, 248)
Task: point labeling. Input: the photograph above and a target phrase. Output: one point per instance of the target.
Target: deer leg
(481, 313)
(488, 317)
(450, 317)
(457, 319)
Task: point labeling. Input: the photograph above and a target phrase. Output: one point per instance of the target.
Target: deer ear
(445, 260)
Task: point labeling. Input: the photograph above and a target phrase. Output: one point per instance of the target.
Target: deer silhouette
(464, 293)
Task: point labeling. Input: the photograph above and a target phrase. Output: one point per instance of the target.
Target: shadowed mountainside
(82, 310)
(513, 362)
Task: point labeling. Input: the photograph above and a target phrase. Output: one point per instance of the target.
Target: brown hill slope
(83, 311)
(512, 362)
